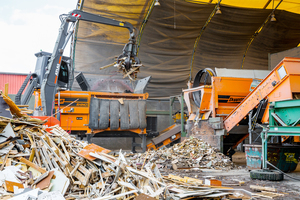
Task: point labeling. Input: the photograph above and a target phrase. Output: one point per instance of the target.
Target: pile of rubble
(191, 153)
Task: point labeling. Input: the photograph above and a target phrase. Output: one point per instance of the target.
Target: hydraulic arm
(127, 61)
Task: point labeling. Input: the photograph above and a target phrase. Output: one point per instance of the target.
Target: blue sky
(26, 28)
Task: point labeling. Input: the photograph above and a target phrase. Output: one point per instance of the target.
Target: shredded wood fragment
(190, 153)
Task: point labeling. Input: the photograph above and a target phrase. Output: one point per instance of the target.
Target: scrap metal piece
(141, 85)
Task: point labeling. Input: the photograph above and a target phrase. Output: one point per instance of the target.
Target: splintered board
(92, 148)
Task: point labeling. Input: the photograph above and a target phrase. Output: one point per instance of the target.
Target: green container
(284, 157)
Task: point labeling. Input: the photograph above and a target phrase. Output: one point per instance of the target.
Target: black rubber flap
(104, 114)
(134, 114)
(94, 113)
(114, 114)
(124, 115)
(142, 113)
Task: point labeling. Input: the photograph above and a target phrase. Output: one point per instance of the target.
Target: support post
(250, 126)
(6, 89)
(89, 137)
(133, 145)
(144, 145)
(183, 133)
(172, 99)
(264, 145)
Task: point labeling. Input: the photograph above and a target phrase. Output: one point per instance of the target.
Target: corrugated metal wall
(14, 82)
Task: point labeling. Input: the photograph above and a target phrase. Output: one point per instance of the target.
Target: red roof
(14, 80)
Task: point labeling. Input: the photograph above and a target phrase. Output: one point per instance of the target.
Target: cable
(283, 172)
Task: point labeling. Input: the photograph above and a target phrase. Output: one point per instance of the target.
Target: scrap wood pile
(54, 165)
(190, 153)
(38, 164)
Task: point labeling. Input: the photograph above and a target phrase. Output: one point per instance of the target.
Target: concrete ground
(289, 187)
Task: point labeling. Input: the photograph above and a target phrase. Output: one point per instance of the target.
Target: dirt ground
(289, 187)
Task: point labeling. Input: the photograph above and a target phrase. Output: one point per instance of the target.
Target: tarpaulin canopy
(242, 32)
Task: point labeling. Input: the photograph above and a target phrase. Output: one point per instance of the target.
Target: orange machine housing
(74, 107)
(282, 83)
(231, 99)
(219, 98)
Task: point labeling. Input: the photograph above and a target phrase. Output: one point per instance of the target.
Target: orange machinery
(167, 137)
(283, 83)
(213, 98)
(225, 102)
(87, 112)
(221, 95)
(75, 107)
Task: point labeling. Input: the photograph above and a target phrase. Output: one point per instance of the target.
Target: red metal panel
(14, 80)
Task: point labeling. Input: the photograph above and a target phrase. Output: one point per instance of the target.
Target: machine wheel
(203, 77)
(264, 174)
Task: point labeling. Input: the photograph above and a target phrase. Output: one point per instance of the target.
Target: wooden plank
(57, 149)
(10, 185)
(85, 152)
(80, 177)
(116, 196)
(43, 159)
(65, 150)
(8, 162)
(144, 197)
(5, 158)
(31, 164)
(260, 188)
(45, 182)
(53, 152)
(22, 106)
(6, 89)
(32, 154)
(4, 161)
(193, 180)
(46, 157)
(177, 178)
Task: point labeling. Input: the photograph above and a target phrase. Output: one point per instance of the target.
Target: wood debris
(38, 164)
(266, 192)
(260, 188)
(269, 195)
(190, 153)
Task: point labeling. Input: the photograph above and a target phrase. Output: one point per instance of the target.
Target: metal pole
(264, 145)
(183, 133)
(58, 107)
(172, 99)
(250, 126)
